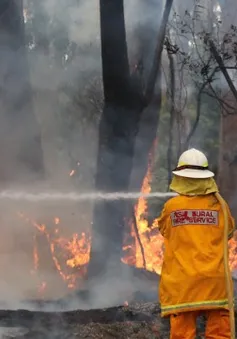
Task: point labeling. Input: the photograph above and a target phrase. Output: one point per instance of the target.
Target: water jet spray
(75, 196)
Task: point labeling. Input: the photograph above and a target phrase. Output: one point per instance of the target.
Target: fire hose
(228, 277)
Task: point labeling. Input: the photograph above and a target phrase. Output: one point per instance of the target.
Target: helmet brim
(193, 173)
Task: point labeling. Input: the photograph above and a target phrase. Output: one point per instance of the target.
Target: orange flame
(146, 248)
(56, 221)
(233, 254)
(76, 253)
(148, 242)
(35, 255)
(143, 246)
(72, 173)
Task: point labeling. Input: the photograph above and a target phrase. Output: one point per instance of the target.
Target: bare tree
(205, 55)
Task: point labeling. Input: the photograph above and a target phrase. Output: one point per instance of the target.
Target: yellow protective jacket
(193, 276)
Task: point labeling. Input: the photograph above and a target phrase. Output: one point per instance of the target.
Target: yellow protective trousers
(183, 325)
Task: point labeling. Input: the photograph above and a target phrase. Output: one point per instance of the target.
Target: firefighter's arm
(163, 222)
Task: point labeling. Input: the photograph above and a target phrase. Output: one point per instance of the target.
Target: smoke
(63, 67)
(10, 332)
(64, 59)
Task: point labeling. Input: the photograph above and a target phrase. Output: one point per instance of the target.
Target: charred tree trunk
(124, 106)
(21, 151)
(118, 128)
(150, 115)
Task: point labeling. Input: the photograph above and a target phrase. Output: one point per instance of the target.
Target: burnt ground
(134, 321)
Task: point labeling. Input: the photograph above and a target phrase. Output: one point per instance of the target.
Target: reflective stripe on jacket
(192, 276)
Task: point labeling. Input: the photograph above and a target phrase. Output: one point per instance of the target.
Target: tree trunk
(21, 151)
(150, 115)
(118, 128)
(123, 108)
(227, 173)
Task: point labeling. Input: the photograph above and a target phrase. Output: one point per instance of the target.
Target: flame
(72, 173)
(143, 245)
(79, 250)
(146, 248)
(56, 221)
(233, 254)
(148, 252)
(67, 254)
(35, 255)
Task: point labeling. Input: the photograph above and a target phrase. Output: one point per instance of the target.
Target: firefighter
(193, 280)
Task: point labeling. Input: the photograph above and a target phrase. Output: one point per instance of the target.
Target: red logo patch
(195, 217)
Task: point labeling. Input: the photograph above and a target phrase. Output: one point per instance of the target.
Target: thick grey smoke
(65, 67)
(65, 71)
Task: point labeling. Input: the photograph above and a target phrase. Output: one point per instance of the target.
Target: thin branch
(158, 51)
(198, 113)
(221, 64)
(198, 110)
(179, 112)
(138, 238)
(172, 112)
(231, 67)
(222, 102)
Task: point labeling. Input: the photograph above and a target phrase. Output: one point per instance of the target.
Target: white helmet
(193, 164)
